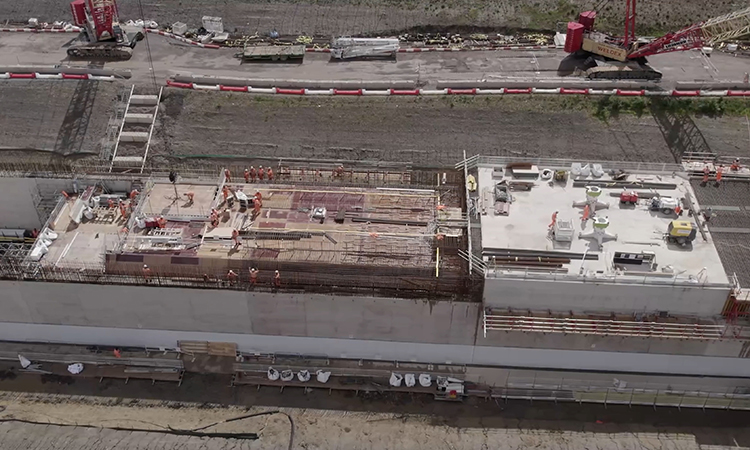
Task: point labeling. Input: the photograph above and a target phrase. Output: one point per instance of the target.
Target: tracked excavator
(606, 57)
(102, 36)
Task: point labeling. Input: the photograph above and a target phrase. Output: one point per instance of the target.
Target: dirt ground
(426, 132)
(336, 421)
(328, 17)
(62, 117)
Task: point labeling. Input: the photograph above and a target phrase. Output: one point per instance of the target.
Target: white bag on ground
(24, 362)
(395, 380)
(75, 368)
(287, 375)
(273, 374)
(410, 380)
(425, 380)
(303, 375)
(322, 376)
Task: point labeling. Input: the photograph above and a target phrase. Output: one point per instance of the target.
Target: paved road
(170, 57)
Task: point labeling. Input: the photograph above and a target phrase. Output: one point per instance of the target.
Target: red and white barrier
(42, 30)
(181, 39)
(449, 91)
(56, 76)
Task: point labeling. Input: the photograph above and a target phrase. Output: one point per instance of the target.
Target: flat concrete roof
(636, 227)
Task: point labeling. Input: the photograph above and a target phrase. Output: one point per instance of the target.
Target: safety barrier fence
(631, 397)
(467, 91)
(350, 280)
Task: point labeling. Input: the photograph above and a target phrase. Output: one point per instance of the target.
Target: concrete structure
(399, 275)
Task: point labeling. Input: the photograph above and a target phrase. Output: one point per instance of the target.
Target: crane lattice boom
(708, 33)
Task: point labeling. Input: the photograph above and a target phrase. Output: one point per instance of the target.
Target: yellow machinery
(681, 232)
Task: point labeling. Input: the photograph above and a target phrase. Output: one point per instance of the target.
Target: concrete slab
(637, 229)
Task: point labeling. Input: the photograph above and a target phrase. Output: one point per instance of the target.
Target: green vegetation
(541, 17)
(612, 106)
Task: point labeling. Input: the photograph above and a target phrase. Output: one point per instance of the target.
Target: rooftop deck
(522, 241)
(377, 237)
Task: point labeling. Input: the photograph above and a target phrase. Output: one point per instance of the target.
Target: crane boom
(708, 33)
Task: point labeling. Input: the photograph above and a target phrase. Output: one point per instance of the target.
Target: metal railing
(555, 163)
(603, 279)
(565, 325)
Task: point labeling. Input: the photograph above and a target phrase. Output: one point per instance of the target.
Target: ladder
(132, 144)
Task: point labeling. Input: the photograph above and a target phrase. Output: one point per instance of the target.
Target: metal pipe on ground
(624, 184)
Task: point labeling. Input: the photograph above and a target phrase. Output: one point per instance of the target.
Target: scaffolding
(602, 327)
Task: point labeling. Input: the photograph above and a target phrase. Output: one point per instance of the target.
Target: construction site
(375, 214)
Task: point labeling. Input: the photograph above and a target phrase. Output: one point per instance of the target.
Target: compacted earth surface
(42, 413)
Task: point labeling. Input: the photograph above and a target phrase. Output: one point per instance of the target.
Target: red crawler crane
(625, 57)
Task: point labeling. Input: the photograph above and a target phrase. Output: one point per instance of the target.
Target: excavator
(602, 56)
(102, 35)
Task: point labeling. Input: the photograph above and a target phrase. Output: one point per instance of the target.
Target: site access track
(170, 57)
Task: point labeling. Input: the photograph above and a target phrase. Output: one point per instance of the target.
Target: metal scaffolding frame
(602, 327)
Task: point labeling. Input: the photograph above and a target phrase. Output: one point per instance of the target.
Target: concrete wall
(239, 312)
(393, 351)
(17, 208)
(595, 297)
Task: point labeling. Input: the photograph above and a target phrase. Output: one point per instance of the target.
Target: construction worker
(231, 277)
(270, 175)
(117, 353)
(735, 165)
(146, 273)
(236, 239)
(706, 173)
(253, 174)
(190, 197)
(123, 209)
(214, 218)
(225, 192)
(554, 219)
(719, 173)
(110, 203)
(133, 194)
(708, 213)
(258, 195)
(228, 175)
(253, 276)
(257, 203)
(247, 175)
(261, 173)
(277, 279)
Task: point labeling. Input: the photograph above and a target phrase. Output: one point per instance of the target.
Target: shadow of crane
(683, 137)
(72, 132)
